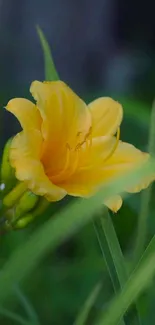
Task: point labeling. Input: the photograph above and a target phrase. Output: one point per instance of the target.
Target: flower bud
(14, 195)
(23, 222)
(25, 204)
(40, 207)
(8, 179)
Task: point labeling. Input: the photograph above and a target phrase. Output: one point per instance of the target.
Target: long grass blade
(50, 69)
(83, 315)
(114, 259)
(137, 283)
(146, 196)
(32, 315)
(14, 317)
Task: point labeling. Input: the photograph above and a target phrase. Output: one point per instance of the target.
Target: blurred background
(100, 47)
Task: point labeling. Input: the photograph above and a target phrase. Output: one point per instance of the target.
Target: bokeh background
(100, 47)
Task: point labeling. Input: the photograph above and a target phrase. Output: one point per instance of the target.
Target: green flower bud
(12, 197)
(25, 204)
(29, 217)
(8, 178)
(23, 222)
(42, 205)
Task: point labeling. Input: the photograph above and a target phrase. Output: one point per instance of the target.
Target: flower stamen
(69, 169)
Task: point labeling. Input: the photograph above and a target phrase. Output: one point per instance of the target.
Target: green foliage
(83, 315)
(50, 70)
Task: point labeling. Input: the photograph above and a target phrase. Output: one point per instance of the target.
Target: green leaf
(148, 251)
(83, 315)
(50, 69)
(146, 196)
(138, 282)
(113, 256)
(27, 306)
(14, 317)
(60, 227)
(111, 250)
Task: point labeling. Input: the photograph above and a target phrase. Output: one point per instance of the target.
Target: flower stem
(146, 196)
(114, 259)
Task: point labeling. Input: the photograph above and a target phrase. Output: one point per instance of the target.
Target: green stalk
(146, 196)
(114, 259)
(86, 308)
(30, 311)
(14, 317)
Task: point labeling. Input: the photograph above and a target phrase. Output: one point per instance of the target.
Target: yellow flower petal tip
(114, 203)
(68, 147)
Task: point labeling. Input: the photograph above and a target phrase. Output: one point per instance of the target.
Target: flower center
(72, 157)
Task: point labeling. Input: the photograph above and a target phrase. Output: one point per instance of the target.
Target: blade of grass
(59, 227)
(83, 315)
(137, 283)
(145, 197)
(14, 317)
(150, 249)
(27, 306)
(50, 69)
(107, 256)
(111, 249)
(113, 257)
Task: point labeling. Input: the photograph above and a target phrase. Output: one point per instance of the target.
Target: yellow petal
(66, 121)
(64, 114)
(32, 173)
(126, 153)
(24, 157)
(26, 145)
(90, 174)
(89, 178)
(26, 112)
(114, 203)
(106, 116)
(97, 153)
(125, 158)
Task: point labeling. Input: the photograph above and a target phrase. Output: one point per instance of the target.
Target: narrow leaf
(145, 197)
(137, 283)
(50, 69)
(27, 306)
(83, 315)
(14, 317)
(114, 258)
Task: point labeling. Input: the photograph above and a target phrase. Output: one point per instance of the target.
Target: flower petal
(114, 203)
(125, 158)
(24, 157)
(66, 121)
(26, 145)
(88, 179)
(106, 116)
(65, 115)
(89, 174)
(32, 173)
(26, 112)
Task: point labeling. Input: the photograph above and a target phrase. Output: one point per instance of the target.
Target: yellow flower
(67, 147)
